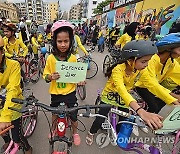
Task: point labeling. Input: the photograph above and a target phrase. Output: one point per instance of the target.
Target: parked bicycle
(64, 143)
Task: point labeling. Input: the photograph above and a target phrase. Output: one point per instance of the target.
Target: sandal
(77, 139)
(89, 140)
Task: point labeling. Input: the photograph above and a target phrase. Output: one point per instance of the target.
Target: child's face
(176, 52)
(7, 33)
(63, 41)
(142, 62)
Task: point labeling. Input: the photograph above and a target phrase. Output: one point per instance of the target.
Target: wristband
(138, 109)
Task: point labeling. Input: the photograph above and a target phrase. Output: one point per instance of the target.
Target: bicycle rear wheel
(81, 90)
(34, 71)
(106, 63)
(29, 122)
(92, 69)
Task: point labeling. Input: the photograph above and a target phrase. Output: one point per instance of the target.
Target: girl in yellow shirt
(122, 78)
(62, 92)
(130, 34)
(162, 68)
(12, 45)
(10, 77)
(35, 44)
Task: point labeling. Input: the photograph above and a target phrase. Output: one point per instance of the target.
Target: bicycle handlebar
(56, 110)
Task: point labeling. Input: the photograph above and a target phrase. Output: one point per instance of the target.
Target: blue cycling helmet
(43, 50)
(168, 42)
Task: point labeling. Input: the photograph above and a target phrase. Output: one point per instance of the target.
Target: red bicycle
(60, 143)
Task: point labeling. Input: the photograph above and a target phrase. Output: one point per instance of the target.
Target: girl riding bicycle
(62, 92)
(12, 45)
(34, 42)
(10, 77)
(122, 78)
(162, 73)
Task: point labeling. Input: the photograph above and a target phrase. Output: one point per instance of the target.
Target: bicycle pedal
(106, 126)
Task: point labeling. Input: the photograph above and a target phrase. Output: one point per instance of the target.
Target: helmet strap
(132, 65)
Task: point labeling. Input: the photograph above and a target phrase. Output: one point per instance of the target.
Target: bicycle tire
(42, 64)
(90, 75)
(29, 124)
(54, 149)
(34, 71)
(97, 102)
(106, 63)
(81, 90)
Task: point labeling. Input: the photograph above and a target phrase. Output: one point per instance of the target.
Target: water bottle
(124, 135)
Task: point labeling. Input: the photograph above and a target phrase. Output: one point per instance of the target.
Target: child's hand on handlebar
(153, 120)
(4, 125)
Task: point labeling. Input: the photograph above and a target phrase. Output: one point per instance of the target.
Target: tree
(100, 6)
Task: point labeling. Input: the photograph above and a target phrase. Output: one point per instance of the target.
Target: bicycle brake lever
(140, 122)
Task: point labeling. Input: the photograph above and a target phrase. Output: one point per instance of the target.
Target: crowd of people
(152, 69)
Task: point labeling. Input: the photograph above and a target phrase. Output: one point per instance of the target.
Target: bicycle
(29, 122)
(92, 66)
(103, 139)
(62, 122)
(111, 59)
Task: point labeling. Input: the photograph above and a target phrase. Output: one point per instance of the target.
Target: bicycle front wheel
(92, 69)
(29, 122)
(34, 71)
(81, 90)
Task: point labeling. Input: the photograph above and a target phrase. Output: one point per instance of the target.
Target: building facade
(75, 12)
(46, 13)
(53, 7)
(35, 10)
(22, 9)
(9, 10)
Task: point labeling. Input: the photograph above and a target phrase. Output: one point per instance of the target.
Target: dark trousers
(154, 103)
(98, 121)
(17, 135)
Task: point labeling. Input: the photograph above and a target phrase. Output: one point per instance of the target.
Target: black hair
(130, 30)
(109, 70)
(68, 30)
(1, 64)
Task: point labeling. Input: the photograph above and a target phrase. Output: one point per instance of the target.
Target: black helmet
(138, 49)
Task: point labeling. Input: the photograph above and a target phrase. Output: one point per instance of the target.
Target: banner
(111, 19)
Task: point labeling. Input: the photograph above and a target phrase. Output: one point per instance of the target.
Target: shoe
(89, 138)
(29, 151)
(77, 139)
(135, 130)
